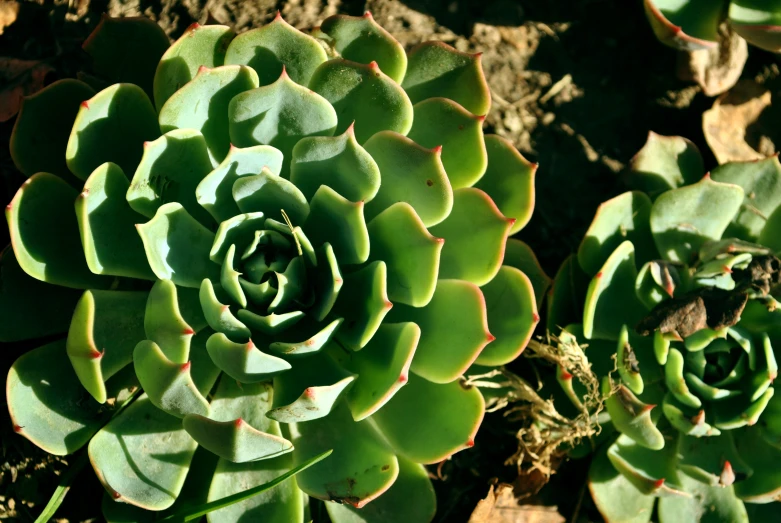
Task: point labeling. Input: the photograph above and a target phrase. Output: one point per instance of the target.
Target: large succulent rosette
(694, 24)
(673, 293)
(301, 245)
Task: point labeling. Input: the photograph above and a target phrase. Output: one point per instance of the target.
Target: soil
(577, 85)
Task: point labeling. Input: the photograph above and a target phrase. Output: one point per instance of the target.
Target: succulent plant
(673, 293)
(262, 247)
(694, 24)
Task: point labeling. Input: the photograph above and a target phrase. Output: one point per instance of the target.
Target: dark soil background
(577, 85)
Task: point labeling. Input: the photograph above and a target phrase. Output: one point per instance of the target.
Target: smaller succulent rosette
(694, 24)
(290, 243)
(673, 294)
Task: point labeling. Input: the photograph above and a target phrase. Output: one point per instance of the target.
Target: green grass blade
(62, 489)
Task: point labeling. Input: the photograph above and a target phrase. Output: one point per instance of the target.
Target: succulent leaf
(336, 220)
(689, 25)
(519, 255)
(615, 496)
(270, 194)
(707, 503)
(243, 362)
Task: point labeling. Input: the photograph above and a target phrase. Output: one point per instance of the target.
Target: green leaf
(399, 238)
(234, 440)
(364, 96)
(611, 301)
(363, 40)
(107, 226)
(566, 295)
(411, 498)
(689, 25)
(279, 114)
(761, 183)
(683, 219)
(275, 48)
(127, 49)
(625, 217)
(428, 422)
(705, 505)
(219, 316)
(512, 316)
(111, 127)
(617, 499)
(339, 222)
(676, 384)
(215, 192)
(43, 126)
(665, 162)
(382, 367)
(508, 180)
(632, 417)
(310, 336)
(45, 234)
(519, 255)
(363, 303)
(63, 486)
(764, 484)
(361, 468)
(48, 405)
(243, 361)
(202, 105)
(178, 247)
(164, 324)
(327, 283)
(31, 308)
(757, 22)
(437, 70)
(142, 456)
(686, 420)
(338, 162)
(240, 229)
(411, 174)
(454, 328)
(199, 46)
(475, 234)
(170, 170)
(713, 460)
(270, 194)
(652, 472)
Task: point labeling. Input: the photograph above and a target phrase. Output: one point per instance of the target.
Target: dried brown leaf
(19, 78)
(501, 506)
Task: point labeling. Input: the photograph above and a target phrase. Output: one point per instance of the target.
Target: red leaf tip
(192, 27)
(437, 149)
(8, 207)
(599, 275)
(350, 129)
(284, 72)
(188, 331)
(238, 423)
(309, 392)
(727, 476)
(403, 378)
(388, 305)
(278, 16)
(536, 317)
(250, 345)
(490, 337)
(439, 240)
(706, 177)
(511, 221)
(374, 66)
(470, 443)
(202, 69)
(96, 354)
(85, 104)
(658, 483)
(726, 269)
(18, 429)
(368, 15)
(480, 117)
(565, 375)
(185, 367)
(115, 494)
(648, 408)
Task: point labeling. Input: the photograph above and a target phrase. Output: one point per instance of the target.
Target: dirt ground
(577, 85)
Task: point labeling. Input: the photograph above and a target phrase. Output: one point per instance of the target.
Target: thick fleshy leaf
(362, 469)
(240, 230)
(509, 181)
(309, 391)
(761, 183)
(617, 499)
(270, 194)
(43, 127)
(219, 316)
(519, 255)
(611, 301)
(427, 422)
(652, 472)
(127, 49)
(107, 226)
(410, 499)
(243, 361)
(234, 440)
(764, 484)
(687, 420)
(475, 234)
(665, 162)
(29, 307)
(400, 239)
(436, 69)
(168, 385)
(202, 105)
(105, 328)
(382, 366)
(170, 170)
(310, 336)
(45, 234)
(164, 324)
(177, 246)
(338, 162)
(336, 220)
(48, 405)
(363, 40)
(276, 47)
(199, 46)
(279, 114)
(327, 282)
(566, 295)
(683, 219)
(676, 384)
(757, 22)
(142, 456)
(442, 122)
(111, 127)
(363, 96)
(454, 328)
(689, 25)
(713, 460)
(632, 417)
(363, 303)
(215, 192)
(622, 218)
(706, 504)
(512, 316)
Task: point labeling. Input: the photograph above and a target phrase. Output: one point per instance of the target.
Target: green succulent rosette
(694, 24)
(262, 247)
(673, 294)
